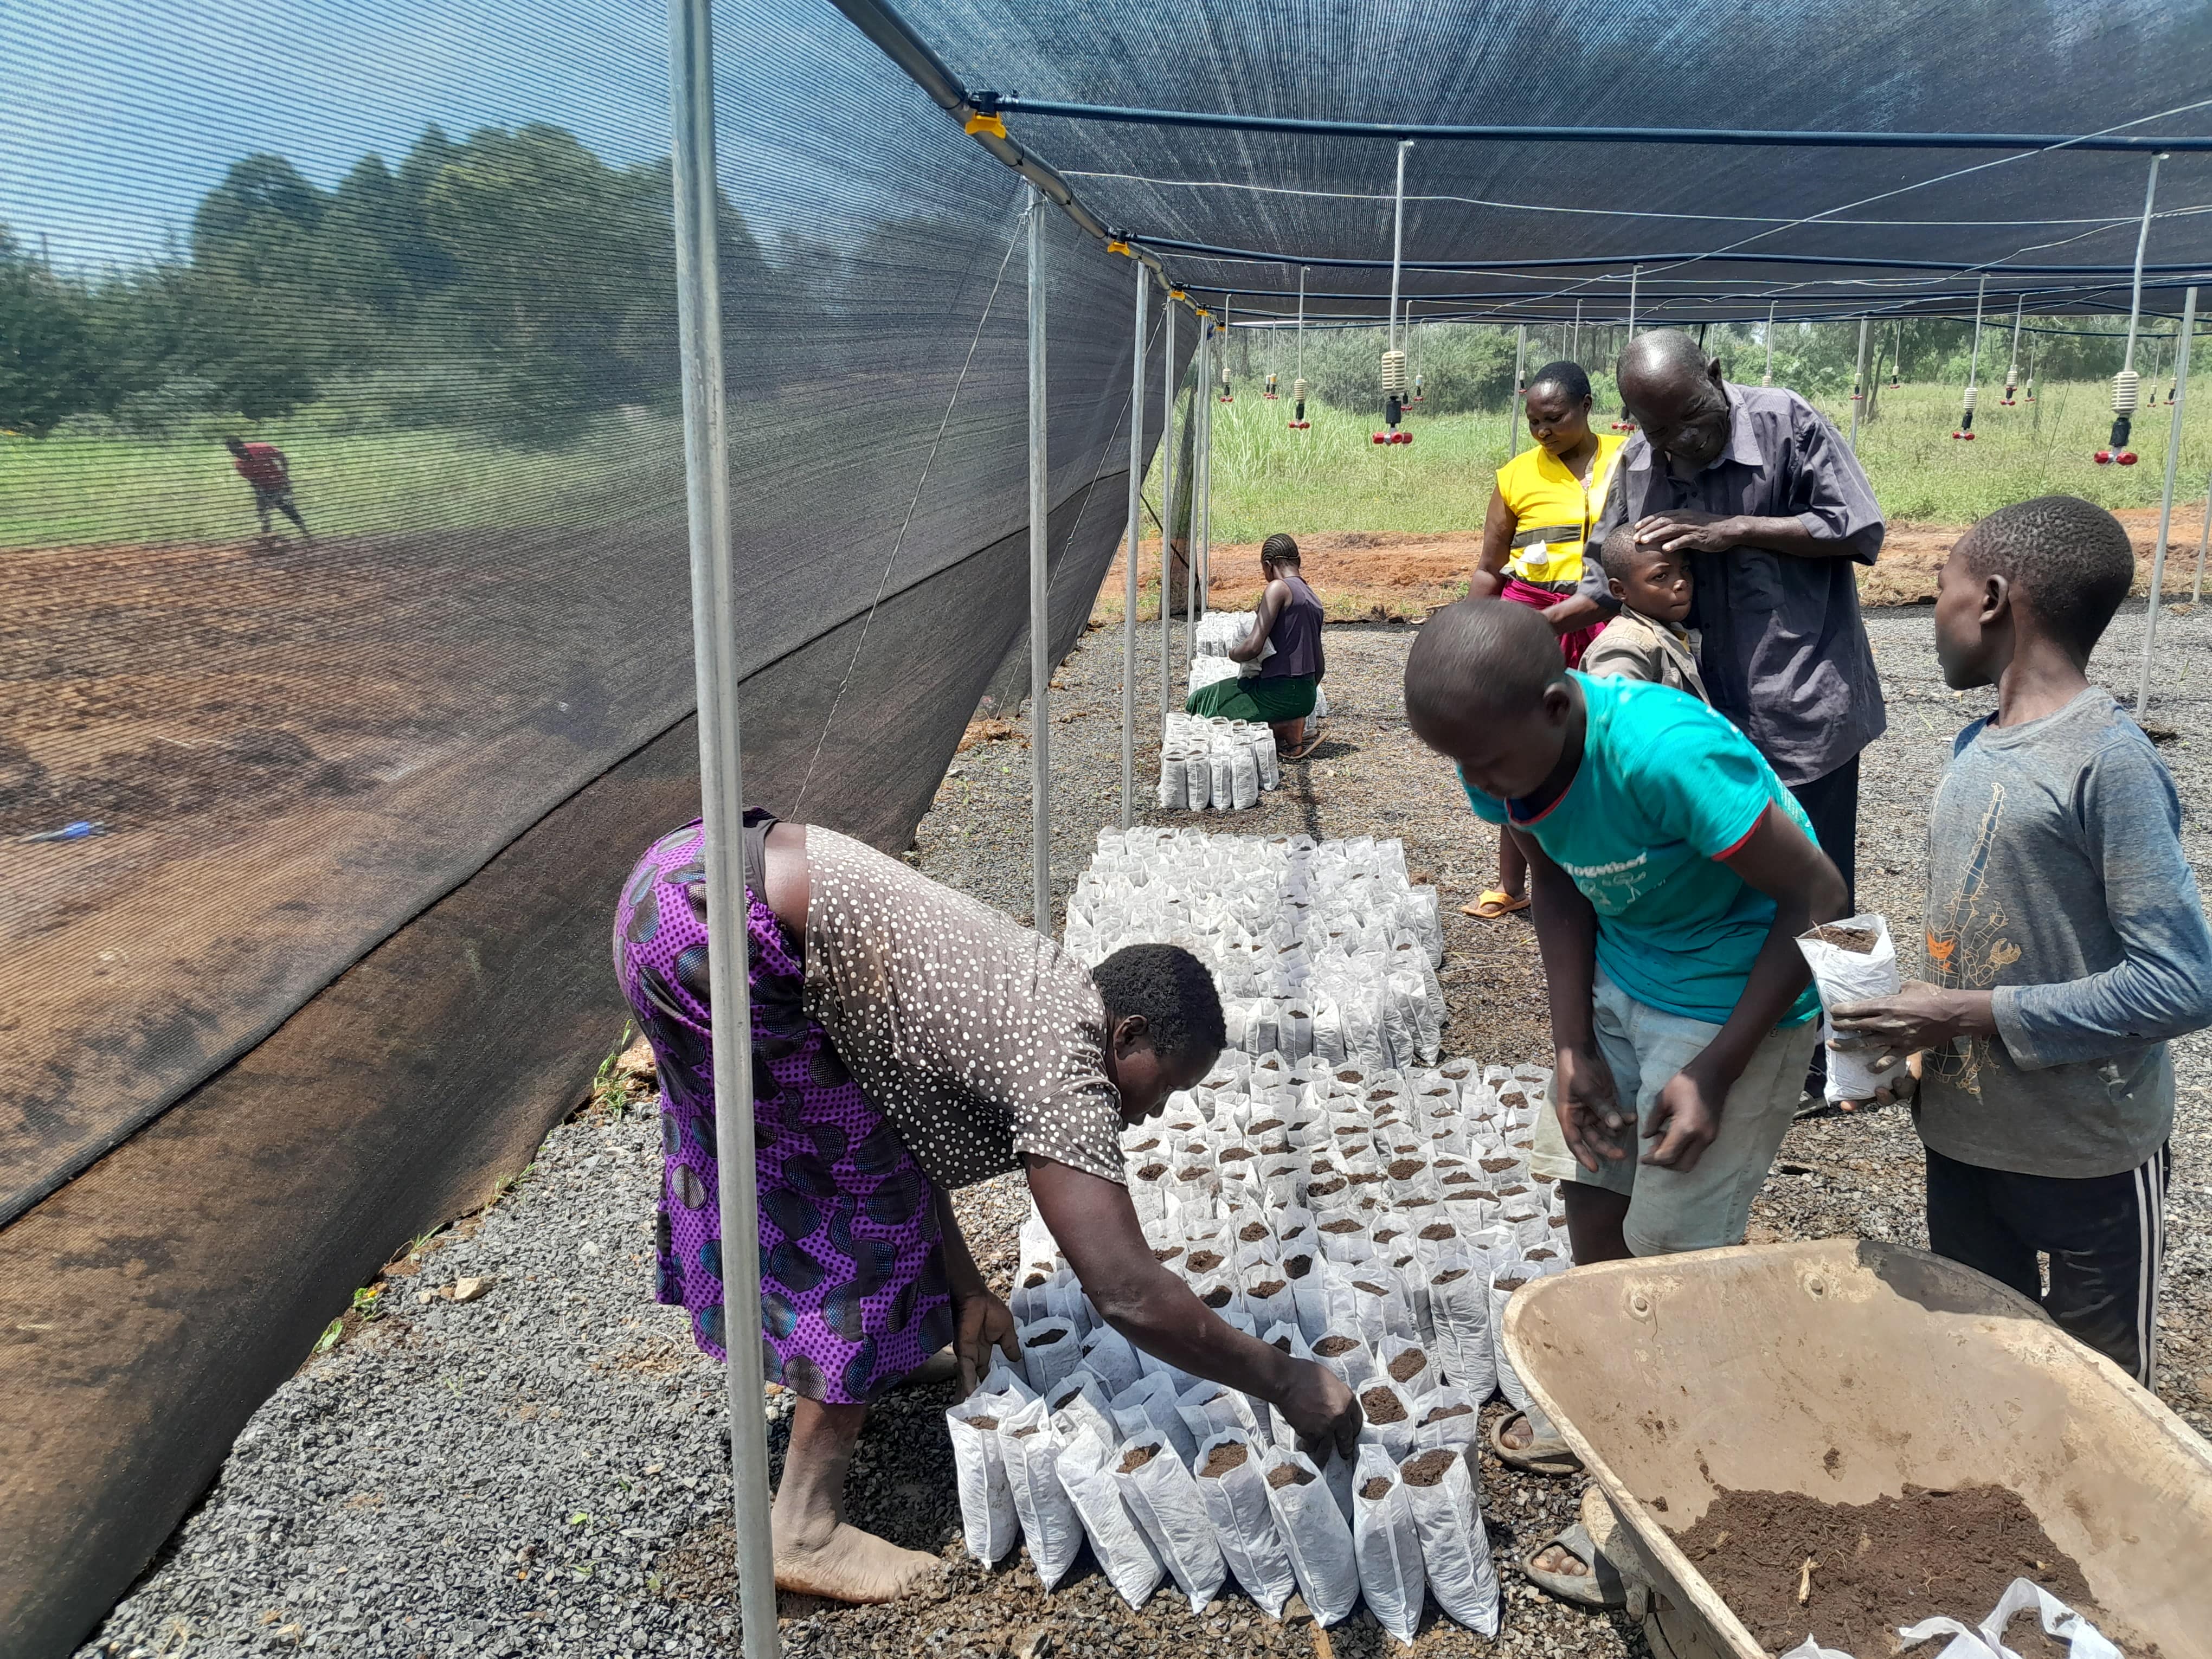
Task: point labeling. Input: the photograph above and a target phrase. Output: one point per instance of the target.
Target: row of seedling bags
(1215, 763)
(1324, 950)
(1399, 1291)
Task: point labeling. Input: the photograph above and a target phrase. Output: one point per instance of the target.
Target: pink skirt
(1571, 645)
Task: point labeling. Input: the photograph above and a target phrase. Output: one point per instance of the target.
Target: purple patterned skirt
(853, 1288)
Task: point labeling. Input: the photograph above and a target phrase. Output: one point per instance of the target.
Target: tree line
(513, 275)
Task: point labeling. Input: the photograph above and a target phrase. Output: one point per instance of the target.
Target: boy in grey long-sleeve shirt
(2065, 941)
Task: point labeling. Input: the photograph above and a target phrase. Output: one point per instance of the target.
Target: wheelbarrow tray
(1846, 1369)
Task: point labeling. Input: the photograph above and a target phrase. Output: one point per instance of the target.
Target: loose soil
(1383, 1406)
(1204, 1261)
(1377, 1490)
(1269, 1287)
(1046, 1339)
(1228, 1455)
(1253, 1232)
(1289, 1474)
(1410, 1363)
(1429, 1467)
(1330, 1347)
(1858, 940)
(1876, 1566)
(979, 1423)
(1444, 1414)
(1137, 1456)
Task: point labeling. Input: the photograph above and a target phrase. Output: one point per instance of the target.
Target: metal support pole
(2142, 241)
(1398, 239)
(1129, 551)
(1202, 570)
(1198, 403)
(1513, 397)
(1768, 379)
(714, 636)
(2204, 539)
(1859, 385)
(1635, 276)
(2165, 502)
(1040, 595)
(1575, 339)
(1169, 453)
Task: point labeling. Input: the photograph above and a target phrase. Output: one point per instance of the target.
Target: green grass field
(1333, 478)
(68, 488)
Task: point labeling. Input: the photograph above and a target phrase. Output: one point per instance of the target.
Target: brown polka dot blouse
(979, 1039)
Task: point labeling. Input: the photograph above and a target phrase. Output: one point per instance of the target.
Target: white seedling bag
(1086, 1471)
(1849, 968)
(1454, 1548)
(988, 1522)
(1236, 1497)
(1386, 1545)
(1050, 1526)
(1050, 1348)
(1161, 1492)
(1314, 1534)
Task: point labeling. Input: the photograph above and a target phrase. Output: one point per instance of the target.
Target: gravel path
(541, 1471)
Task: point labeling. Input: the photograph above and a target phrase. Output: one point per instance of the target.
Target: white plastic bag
(1390, 1422)
(1386, 1545)
(1986, 1641)
(1447, 1417)
(987, 1521)
(1459, 1303)
(1116, 1539)
(1050, 1525)
(1159, 1490)
(1314, 1534)
(1852, 960)
(1235, 1491)
(1051, 1348)
(1150, 1401)
(1454, 1548)
(1110, 1357)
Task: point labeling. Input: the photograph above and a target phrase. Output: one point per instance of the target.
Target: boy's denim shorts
(1710, 1206)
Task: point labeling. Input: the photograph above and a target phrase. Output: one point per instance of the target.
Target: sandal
(1304, 749)
(1542, 1455)
(1493, 903)
(1602, 1588)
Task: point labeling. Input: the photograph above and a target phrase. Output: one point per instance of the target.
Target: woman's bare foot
(1553, 1558)
(852, 1566)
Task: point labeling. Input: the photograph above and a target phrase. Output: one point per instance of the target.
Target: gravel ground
(542, 1471)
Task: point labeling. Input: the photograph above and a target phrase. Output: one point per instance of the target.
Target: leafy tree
(49, 365)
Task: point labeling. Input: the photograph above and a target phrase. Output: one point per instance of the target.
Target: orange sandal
(1491, 903)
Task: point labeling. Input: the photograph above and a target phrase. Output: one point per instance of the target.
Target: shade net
(1892, 65)
(426, 254)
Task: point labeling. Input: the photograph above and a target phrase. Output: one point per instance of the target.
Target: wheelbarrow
(1846, 1369)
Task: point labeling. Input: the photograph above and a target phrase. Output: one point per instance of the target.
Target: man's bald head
(1485, 685)
(1673, 391)
(1664, 356)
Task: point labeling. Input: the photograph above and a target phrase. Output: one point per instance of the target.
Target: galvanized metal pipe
(2204, 539)
(1859, 385)
(2142, 241)
(1168, 455)
(1513, 397)
(714, 636)
(1129, 555)
(1202, 566)
(1040, 593)
(2165, 502)
(1768, 378)
(1199, 403)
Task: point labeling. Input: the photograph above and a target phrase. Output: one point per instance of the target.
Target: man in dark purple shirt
(1755, 485)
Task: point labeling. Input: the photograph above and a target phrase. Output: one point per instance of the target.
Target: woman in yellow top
(1546, 503)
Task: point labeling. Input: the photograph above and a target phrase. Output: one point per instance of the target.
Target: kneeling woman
(908, 1040)
(1282, 692)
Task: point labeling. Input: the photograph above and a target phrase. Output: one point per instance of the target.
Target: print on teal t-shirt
(1666, 787)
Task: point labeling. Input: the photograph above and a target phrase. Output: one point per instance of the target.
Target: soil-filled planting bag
(1050, 1526)
(1051, 1348)
(1455, 1549)
(1109, 1356)
(1386, 1545)
(1459, 1302)
(1086, 1471)
(1213, 1408)
(1390, 1422)
(988, 1524)
(1852, 960)
(1314, 1534)
(1343, 1351)
(1235, 1491)
(1159, 1490)
(1448, 1416)
(1150, 1402)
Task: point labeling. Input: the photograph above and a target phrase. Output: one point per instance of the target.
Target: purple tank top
(1296, 637)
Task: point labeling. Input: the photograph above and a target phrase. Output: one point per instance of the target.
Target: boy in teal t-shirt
(1671, 874)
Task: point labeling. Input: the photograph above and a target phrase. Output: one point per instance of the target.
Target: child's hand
(1590, 1119)
(1917, 1015)
(1685, 1119)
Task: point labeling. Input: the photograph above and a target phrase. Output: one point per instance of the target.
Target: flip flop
(1602, 1588)
(1538, 1456)
(1493, 903)
(1299, 754)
